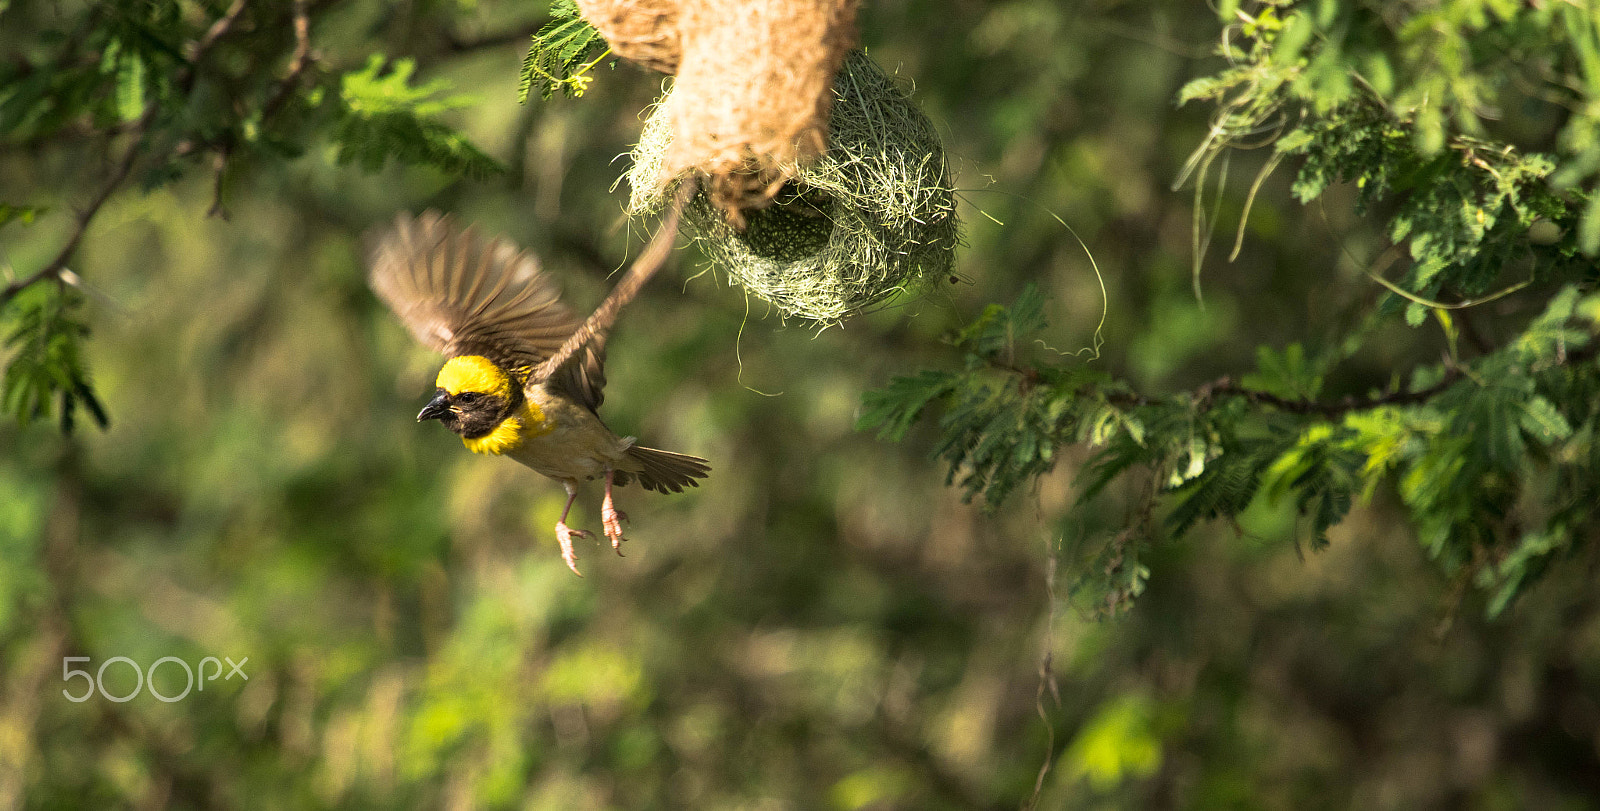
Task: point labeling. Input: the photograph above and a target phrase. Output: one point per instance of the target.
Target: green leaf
(1297, 30)
(46, 373)
(562, 54)
(379, 87)
(1293, 141)
(1134, 427)
(893, 410)
(985, 336)
(1530, 554)
(1295, 463)
(1027, 312)
(1121, 455)
(130, 87)
(1286, 374)
(1223, 487)
(1103, 426)
(998, 329)
(1194, 464)
(1118, 744)
(1544, 422)
(384, 116)
(1380, 436)
(1589, 227)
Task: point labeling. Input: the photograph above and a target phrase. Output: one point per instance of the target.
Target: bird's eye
(468, 397)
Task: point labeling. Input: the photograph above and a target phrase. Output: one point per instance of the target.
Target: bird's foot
(565, 534)
(613, 518)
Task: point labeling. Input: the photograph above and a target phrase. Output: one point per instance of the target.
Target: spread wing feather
(462, 295)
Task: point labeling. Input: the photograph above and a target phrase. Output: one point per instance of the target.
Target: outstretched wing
(462, 295)
(583, 378)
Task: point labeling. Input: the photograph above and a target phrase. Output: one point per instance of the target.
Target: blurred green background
(823, 624)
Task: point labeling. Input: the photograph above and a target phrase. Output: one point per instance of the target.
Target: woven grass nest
(873, 216)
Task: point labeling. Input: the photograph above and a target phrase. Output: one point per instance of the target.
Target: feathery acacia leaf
(384, 116)
(561, 55)
(46, 374)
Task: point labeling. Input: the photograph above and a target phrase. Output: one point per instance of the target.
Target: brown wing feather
(583, 378)
(462, 295)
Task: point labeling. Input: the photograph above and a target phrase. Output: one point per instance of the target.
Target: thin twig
(654, 256)
(1047, 679)
(1227, 386)
(298, 63)
(217, 31)
(219, 165)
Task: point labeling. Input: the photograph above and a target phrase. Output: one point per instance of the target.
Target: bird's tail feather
(665, 471)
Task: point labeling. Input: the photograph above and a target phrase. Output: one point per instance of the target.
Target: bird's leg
(612, 517)
(564, 533)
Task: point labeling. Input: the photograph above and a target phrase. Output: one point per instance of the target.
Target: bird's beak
(436, 408)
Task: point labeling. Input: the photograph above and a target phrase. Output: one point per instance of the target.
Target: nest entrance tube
(873, 215)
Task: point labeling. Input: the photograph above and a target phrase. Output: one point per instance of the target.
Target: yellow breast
(526, 424)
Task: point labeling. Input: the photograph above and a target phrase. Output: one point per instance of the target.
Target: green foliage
(992, 421)
(823, 625)
(1466, 447)
(563, 53)
(1463, 213)
(383, 116)
(1287, 374)
(1401, 106)
(143, 89)
(1120, 742)
(1492, 457)
(129, 54)
(45, 373)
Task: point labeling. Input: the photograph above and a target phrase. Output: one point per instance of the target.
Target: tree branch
(197, 52)
(1226, 386)
(58, 265)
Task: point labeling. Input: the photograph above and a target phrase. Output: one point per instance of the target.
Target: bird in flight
(523, 377)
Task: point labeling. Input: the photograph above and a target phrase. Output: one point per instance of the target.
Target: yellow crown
(474, 373)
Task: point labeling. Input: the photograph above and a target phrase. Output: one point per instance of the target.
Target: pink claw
(612, 517)
(565, 534)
